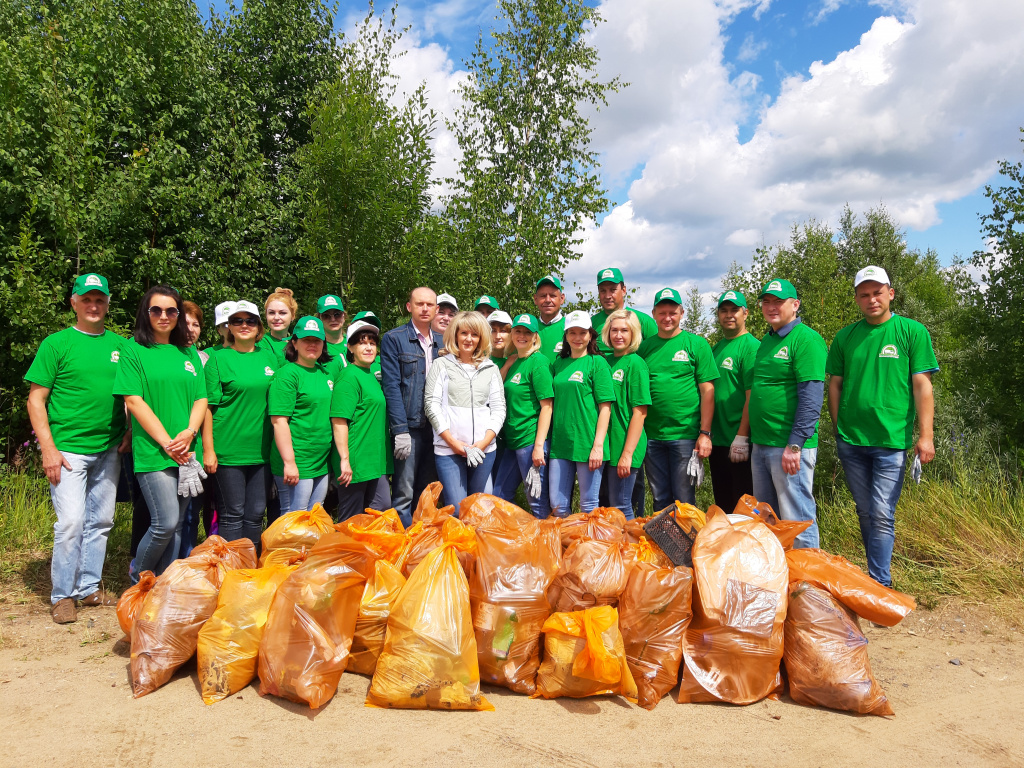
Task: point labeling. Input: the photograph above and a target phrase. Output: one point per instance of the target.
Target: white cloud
(750, 49)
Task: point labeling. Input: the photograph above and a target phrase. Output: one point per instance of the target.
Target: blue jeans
(511, 471)
(620, 489)
(241, 500)
(459, 480)
(561, 474)
(875, 478)
(303, 495)
(666, 469)
(159, 546)
(84, 502)
(414, 474)
(789, 495)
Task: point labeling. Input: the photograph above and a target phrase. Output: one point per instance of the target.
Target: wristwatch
(705, 432)
(793, 448)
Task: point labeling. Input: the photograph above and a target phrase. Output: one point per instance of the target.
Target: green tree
(696, 318)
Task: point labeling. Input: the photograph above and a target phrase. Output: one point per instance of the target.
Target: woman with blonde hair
(281, 309)
(465, 404)
(631, 383)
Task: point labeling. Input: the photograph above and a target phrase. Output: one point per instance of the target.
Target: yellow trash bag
(429, 659)
(296, 530)
(379, 595)
(229, 643)
(584, 656)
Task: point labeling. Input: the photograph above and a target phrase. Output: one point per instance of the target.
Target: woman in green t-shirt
(579, 422)
(299, 404)
(237, 385)
(160, 377)
(528, 398)
(359, 418)
(631, 382)
(501, 337)
(281, 310)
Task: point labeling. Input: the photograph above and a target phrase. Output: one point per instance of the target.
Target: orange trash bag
(229, 643)
(603, 524)
(592, 573)
(388, 519)
(379, 595)
(296, 530)
(850, 586)
(312, 618)
(508, 593)
(129, 605)
(391, 543)
(429, 660)
(785, 530)
(733, 646)
(654, 612)
(426, 537)
(165, 632)
(584, 656)
(240, 553)
(827, 655)
(482, 509)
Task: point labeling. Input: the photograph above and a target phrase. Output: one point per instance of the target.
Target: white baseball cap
(357, 326)
(222, 312)
(871, 273)
(499, 316)
(245, 306)
(447, 298)
(578, 319)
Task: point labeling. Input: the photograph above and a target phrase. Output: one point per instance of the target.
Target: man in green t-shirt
(611, 293)
(785, 403)
(549, 298)
(880, 371)
(81, 429)
(678, 423)
(730, 427)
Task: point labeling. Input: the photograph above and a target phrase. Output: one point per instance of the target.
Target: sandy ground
(65, 699)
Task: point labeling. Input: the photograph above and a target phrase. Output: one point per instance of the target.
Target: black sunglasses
(252, 322)
(171, 312)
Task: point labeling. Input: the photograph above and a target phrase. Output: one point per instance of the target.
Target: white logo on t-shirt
(774, 285)
(889, 350)
(330, 385)
(268, 370)
(115, 356)
(576, 376)
(558, 346)
(377, 374)
(93, 280)
(517, 378)
(681, 356)
(782, 354)
(727, 363)
(311, 325)
(190, 368)
(618, 375)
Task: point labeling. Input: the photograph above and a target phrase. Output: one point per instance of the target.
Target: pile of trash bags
(588, 605)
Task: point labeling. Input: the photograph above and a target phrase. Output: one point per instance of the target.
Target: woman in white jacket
(465, 403)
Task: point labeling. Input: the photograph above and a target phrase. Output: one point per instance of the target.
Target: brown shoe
(99, 597)
(64, 611)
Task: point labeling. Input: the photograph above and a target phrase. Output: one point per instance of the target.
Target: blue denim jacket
(403, 377)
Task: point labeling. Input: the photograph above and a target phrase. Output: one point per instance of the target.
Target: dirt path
(66, 700)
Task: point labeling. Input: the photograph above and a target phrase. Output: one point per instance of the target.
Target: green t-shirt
(170, 380)
(877, 362)
(79, 369)
(236, 388)
(648, 328)
(677, 366)
(780, 364)
(735, 361)
(359, 398)
(275, 345)
(527, 383)
(579, 385)
(304, 396)
(551, 338)
(631, 382)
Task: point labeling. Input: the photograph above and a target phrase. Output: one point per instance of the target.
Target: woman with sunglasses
(161, 379)
(237, 384)
(281, 309)
(300, 413)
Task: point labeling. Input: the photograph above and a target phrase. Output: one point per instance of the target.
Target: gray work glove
(474, 456)
(403, 446)
(532, 483)
(915, 469)
(189, 474)
(695, 470)
(739, 451)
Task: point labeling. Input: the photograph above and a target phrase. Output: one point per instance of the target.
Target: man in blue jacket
(405, 357)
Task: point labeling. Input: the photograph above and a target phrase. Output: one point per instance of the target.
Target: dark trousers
(730, 481)
(241, 501)
(639, 497)
(355, 497)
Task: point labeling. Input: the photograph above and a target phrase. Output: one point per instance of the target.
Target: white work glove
(474, 456)
(915, 469)
(189, 474)
(532, 483)
(739, 451)
(695, 470)
(403, 446)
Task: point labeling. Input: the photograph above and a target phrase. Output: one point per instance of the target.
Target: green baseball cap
(734, 297)
(367, 317)
(90, 281)
(667, 294)
(549, 280)
(309, 326)
(330, 301)
(782, 289)
(486, 300)
(610, 275)
(526, 321)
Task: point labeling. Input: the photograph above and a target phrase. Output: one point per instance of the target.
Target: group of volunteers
(288, 407)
